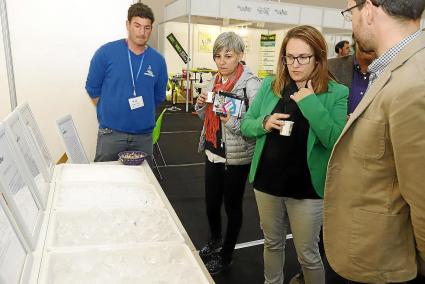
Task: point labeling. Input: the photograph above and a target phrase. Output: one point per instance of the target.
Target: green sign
(268, 40)
(178, 48)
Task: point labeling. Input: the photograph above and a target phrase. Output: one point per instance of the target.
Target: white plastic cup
(286, 128)
(210, 97)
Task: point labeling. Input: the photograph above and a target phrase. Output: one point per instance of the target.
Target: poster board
(33, 130)
(25, 150)
(73, 146)
(267, 55)
(18, 192)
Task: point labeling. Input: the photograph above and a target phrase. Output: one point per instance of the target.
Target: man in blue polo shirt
(127, 80)
(352, 71)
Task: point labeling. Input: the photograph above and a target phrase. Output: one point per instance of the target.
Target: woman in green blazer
(289, 167)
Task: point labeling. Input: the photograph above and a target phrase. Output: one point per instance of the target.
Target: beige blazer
(374, 205)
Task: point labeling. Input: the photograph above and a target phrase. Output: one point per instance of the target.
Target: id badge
(136, 102)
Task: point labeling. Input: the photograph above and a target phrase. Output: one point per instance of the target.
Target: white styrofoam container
(100, 173)
(97, 228)
(153, 263)
(77, 196)
(15, 256)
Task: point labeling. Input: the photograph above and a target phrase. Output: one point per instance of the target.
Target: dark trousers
(225, 183)
(111, 142)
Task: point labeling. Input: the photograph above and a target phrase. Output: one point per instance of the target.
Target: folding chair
(155, 137)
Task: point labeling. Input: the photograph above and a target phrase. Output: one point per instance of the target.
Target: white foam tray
(155, 263)
(98, 228)
(100, 173)
(77, 196)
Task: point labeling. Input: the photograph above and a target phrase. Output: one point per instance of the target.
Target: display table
(179, 87)
(108, 223)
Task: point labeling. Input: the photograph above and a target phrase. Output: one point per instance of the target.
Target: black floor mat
(184, 187)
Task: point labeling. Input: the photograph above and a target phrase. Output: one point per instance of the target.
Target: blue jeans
(305, 218)
(111, 142)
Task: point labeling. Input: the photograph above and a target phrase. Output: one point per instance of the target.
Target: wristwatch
(265, 121)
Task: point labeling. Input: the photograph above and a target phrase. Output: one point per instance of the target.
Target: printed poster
(205, 42)
(267, 55)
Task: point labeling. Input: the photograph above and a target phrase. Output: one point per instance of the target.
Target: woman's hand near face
(275, 121)
(200, 101)
(303, 92)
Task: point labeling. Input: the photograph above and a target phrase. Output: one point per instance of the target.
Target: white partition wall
(52, 45)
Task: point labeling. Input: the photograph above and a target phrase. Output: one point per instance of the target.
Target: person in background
(342, 48)
(289, 172)
(374, 225)
(351, 70)
(228, 154)
(127, 80)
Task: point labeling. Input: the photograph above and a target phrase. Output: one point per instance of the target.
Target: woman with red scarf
(228, 154)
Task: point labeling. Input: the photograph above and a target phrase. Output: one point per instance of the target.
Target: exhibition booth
(262, 25)
(106, 222)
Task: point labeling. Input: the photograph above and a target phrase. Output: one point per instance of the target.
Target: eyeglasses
(348, 13)
(302, 59)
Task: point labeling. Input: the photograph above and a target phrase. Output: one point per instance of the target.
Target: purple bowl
(132, 158)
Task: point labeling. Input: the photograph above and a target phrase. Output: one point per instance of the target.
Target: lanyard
(131, 69)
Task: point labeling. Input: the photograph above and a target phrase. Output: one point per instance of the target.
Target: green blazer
(326, 113)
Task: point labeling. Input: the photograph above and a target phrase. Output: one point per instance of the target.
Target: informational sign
(178, 48)
(31, 126)
(267, 55)
(261, 11)
(13, 253)
(74, 147)
(28, 155)
(16, 190)
(205, 42)
(24, 147)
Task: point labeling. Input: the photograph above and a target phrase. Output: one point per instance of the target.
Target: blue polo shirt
(109, 79)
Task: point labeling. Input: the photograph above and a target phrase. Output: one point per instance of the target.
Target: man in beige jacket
(374, 211)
